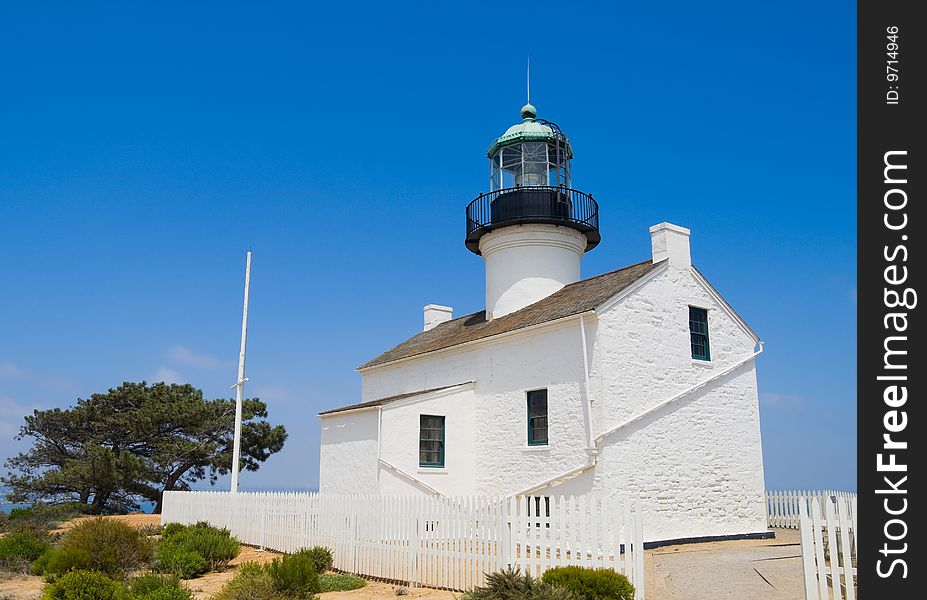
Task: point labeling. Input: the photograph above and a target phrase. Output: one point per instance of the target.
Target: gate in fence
(436, 541)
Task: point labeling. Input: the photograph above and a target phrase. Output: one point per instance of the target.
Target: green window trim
(431, 441)
(698, 333)
(537, 418)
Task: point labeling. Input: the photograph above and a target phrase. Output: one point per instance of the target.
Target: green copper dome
(528, 111)
(529, 130)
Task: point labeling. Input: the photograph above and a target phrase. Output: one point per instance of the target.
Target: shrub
(511, 585)
(103, 545)
(36, 528)
(321, 557)
(115, 548)
(150, 530)
(158, 587)
(84, 585)
(61, 560)
(20, 513)
(294, 575)
(591, 584)
(40, 564)
(340, 582)
(251, 582)
(172, 528)
(46, 515)
(20, 548)
(179, 561)
(250, 568)
(215, 546)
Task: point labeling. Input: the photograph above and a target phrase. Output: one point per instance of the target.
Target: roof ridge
(612, 272)
(579, 296)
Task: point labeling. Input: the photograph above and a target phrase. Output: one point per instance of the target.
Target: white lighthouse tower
(531, 227)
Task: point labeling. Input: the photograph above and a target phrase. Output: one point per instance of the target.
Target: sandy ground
(20, 587)
(762, 569)
(377, 589)
(135, 520)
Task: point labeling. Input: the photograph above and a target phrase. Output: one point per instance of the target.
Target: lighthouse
(564, 386)
(532, 227)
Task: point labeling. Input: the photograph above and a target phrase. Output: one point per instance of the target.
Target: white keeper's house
(637, 382)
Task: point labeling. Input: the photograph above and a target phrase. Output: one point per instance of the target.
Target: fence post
(845, 547)
(264, 524)
(809, 572)
(639, 577)
(415, 549)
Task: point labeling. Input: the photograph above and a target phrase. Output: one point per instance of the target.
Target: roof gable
(573, 299)
(725, 305)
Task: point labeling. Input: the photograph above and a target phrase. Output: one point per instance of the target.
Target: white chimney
(435, 314)
(670, 242)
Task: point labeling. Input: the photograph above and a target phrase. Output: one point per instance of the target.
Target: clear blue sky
(144, 147)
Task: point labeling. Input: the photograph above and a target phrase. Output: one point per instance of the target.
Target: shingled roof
(388, 399)
(576, 298)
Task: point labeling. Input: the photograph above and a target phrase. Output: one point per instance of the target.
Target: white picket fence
(435, 541)
(828, 547)
(782, 505)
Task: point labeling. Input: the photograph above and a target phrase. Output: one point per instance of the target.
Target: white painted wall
(697, 464)
(504, 371)
(399, 446)
(348, 455)
(525, 263)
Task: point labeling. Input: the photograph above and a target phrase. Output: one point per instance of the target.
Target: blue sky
(144, 147)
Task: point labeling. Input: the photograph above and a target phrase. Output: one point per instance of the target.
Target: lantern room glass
(529, 164)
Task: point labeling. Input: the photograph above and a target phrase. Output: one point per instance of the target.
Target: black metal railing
(534, 204)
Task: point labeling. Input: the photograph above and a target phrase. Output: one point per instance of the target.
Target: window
(698, 333)
(537, 418)
(431, 441)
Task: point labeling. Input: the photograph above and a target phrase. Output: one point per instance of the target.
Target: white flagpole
(240, 386)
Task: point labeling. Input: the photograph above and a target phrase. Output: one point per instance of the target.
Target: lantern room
(532, 153)
(530, 182)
